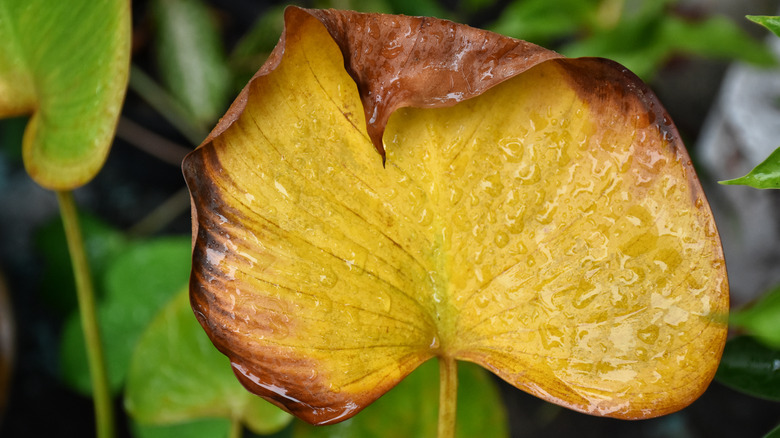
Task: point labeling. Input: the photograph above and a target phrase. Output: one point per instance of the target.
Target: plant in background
(443, 252)
(751, 364)
(72, 85)
(641, 35)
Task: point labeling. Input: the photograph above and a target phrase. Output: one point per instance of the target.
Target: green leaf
(540, 21)
(103, 244)
(644, 42)
(716, 37)
(191, 59)
(53, 67)
(751, 367)
(208, 428)
(774, 433)
(770, 22)
(764, 176)
(428, 8)
(410, 409)
(176, 375)
(476, 5)
(136, 286)
(382, 6)
(762, 319)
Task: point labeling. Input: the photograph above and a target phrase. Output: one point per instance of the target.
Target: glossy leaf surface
(72, 83)
(410, 409)
(177, 376)
(538, 216)
(751, 367)
(764, 176)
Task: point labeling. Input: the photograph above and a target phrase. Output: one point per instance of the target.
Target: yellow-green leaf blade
(300, 282)
(66, 64)
(582, 260)
(501, 228)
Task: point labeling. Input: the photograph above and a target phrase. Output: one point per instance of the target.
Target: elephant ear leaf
(66, 64)
(389, 189)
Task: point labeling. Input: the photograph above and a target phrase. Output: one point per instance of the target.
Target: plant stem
(162, 215)
(448, 396)
(104, 415)
(164, 104)
(236, 428)
(151, 143)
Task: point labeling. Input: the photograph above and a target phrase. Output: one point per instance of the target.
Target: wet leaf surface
(177, 376)
(538, 216)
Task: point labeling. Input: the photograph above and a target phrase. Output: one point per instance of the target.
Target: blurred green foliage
(156, 350)
(411, 409)
(752, 364)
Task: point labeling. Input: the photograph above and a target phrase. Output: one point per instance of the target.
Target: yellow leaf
(539, 217)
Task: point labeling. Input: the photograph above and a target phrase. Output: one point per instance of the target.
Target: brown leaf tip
(400, 61)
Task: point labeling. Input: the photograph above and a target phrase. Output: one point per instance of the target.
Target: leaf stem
(236, 428)
(104, 415)
(448, 396)
(164, 104)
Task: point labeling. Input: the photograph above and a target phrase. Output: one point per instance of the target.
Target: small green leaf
(208, 428)
(770, 22)
(410, 409)
(762, 319)
(66, 64)
(176, 375)
(764, 176)
(774, 433)
(191, 58)
(751, 367)
(136, 286)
